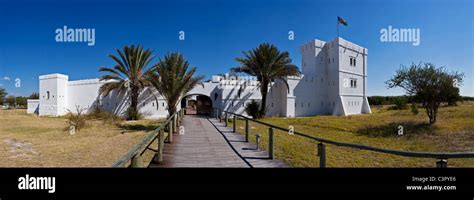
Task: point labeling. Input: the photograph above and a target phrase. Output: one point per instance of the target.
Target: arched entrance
(197, 104)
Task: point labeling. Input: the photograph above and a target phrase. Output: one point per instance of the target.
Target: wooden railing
(133, 157)
(442, 157)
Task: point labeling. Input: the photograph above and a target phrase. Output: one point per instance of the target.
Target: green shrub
(107, 117)
(400, 103)
(132, 113)
(253, 109)
(414, 109)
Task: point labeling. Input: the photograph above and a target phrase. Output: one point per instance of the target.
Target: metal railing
(442, 157)
(134, 156)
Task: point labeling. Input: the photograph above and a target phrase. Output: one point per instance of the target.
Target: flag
(342, 21)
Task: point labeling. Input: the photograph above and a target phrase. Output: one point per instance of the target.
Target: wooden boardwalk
(207, 143)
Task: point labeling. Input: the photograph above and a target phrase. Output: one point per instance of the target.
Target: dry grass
(454, 132)
(32, 141)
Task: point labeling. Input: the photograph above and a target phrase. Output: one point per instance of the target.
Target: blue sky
(218, 31)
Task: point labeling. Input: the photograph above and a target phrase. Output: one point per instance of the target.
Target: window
(352, 61)
(47, 94)
(353, 83)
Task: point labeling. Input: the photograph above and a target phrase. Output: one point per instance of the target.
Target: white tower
(53, 91)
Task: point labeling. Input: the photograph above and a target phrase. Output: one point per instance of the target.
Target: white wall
(33, 106)
(321, 89)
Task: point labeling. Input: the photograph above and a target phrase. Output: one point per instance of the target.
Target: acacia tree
(128, 75)
(173, 78)
(3, 94)
(268, 64)
(429, 86)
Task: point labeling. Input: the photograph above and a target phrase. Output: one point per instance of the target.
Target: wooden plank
(201, 145)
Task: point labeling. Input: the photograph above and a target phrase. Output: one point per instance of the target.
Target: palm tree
(173, 78)
(268, 64)
(128, 75)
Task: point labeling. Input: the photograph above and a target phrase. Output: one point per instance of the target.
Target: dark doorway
(197, 105)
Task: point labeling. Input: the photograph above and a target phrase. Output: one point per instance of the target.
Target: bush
(253, 109)
(76, 119)
(107, 117)
(414, 109)
(400, 103)
(132, 113)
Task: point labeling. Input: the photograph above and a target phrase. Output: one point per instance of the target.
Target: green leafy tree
(21, 101)
(11, 101)
(267, 64)
(128, 75)
(173, 78)
(3, 94)
(400, 102)
(429, 85)
(34, 95)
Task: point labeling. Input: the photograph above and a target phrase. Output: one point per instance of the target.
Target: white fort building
(333, 82)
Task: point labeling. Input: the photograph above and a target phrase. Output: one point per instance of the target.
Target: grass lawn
(32, 141)
(453, 132)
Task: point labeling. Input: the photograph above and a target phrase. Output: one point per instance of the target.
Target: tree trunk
(263, 91)
(171, 109)
(134, 102)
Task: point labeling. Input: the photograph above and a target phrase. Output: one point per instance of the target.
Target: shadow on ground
(139, 127)
(392, 129)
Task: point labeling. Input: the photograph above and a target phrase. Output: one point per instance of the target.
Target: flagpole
(337, 21)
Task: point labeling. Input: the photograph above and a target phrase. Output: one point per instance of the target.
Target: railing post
(175, 125)
(177, 119)
(271, 152)
(322, 155)
(246, 130)
(159, 152)
(257, 140)
(136, 161)
(225, 119)
(220, 116)
(442, 163)
(234, 124)
(170, 132)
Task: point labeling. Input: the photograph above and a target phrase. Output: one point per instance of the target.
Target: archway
(197, 104)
